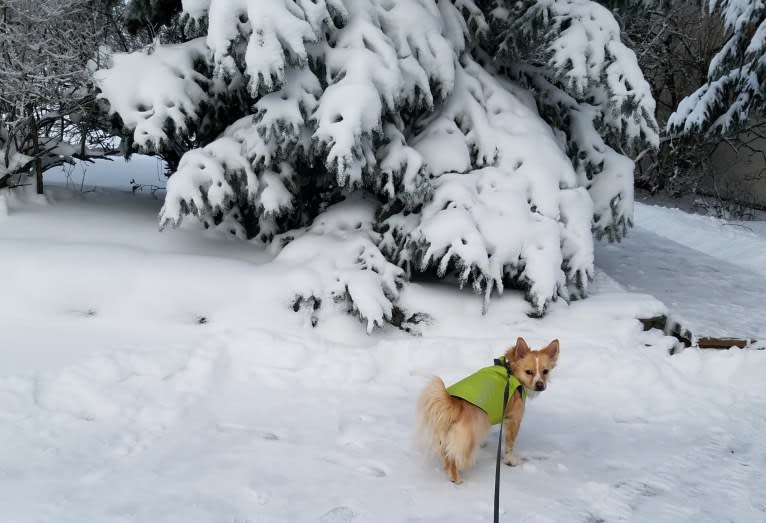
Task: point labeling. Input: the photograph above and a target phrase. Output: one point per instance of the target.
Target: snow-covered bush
(488, 132)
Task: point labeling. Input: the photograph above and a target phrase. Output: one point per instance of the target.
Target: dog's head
(532, 367)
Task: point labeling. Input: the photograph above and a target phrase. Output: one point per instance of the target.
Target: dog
(455, 420)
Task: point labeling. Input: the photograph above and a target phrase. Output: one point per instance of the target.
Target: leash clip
(502, 362)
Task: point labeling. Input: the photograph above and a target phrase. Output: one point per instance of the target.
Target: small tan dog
(456, 420)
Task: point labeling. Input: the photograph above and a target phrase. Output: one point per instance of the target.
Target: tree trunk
(36, 150)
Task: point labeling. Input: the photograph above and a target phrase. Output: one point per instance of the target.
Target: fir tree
(430, 106)
(736, 82)
(587, 84)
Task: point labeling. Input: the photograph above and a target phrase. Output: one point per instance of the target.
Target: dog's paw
(511, 460)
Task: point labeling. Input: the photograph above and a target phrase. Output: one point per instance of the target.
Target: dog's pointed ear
(519, 350)
(552, 350)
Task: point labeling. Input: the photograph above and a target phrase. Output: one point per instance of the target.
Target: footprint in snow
(88, 312)
(639, 488)
(372, 470)
(375, 470)
(233, 427)
(338, 515)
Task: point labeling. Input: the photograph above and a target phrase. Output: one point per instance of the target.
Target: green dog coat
(485, 388)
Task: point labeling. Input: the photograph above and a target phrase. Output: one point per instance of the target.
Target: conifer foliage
(493, 137)
(587, 84)
(736, 76)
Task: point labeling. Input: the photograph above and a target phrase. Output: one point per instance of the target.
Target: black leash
(499, 443)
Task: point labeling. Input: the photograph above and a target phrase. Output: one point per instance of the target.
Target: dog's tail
(436, 413)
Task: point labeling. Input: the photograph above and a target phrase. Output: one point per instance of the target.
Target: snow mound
(336, 259)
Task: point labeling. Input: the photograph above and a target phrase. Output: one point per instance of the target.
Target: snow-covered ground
(742, 243)
(710, 273)
(163, 377)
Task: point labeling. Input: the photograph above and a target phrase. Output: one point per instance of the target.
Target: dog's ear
(519, 350)
(552, 350)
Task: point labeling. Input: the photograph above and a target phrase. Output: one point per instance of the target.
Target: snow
(211, 178)
(757, 42)
(738, 13)
(3, 203)
(281, 32)
(708, 296)
(195, 8)
(612, 195)
(155, 90)
(732, 92)
(581, 49)
(149, 376)
(502, 218)
(286, 99)
(336, 260)
(588, 59)
(115, 173)
(741, 243)
(712, 287)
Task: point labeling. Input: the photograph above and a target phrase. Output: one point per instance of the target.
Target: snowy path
(708, 295)
(139, 413)
(742, 243)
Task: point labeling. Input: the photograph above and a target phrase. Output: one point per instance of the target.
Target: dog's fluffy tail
(435, 415)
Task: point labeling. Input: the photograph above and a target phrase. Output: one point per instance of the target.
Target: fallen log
(685, 337)
(723, 343)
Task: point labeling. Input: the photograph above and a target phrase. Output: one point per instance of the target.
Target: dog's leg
(452, 471)
(513, 414)
(450, 466)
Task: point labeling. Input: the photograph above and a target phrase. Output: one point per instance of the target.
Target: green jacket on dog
(485, 388)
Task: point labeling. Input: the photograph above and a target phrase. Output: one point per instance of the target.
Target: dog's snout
(540, 385)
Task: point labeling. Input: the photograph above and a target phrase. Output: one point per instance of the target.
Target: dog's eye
(529, 373)
(545, 371)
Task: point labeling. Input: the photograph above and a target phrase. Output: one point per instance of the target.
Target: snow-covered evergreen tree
(495, 136)
(588, 85)
(736, 85)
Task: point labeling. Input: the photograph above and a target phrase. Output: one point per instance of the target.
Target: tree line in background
(49, 50)
(494, 136)
(705, 64)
